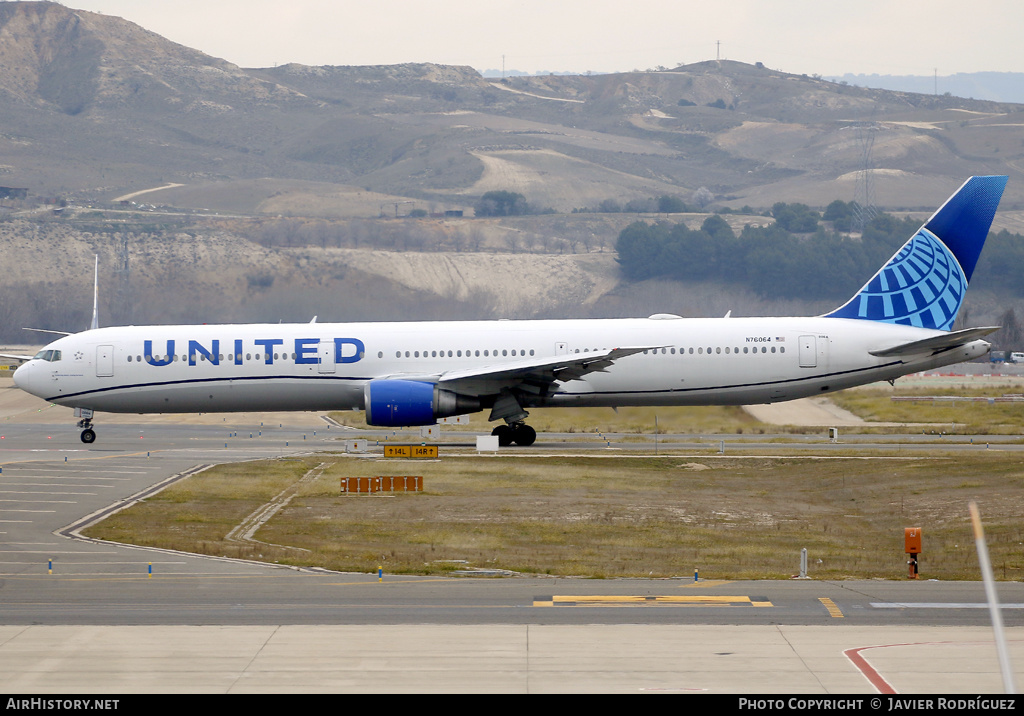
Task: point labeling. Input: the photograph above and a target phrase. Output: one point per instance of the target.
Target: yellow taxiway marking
(650, 600)
(833, 610)
(706, 583)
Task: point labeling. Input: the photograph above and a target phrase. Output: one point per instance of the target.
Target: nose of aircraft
(22, 377)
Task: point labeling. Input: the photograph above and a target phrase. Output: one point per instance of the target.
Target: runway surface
(79, 616)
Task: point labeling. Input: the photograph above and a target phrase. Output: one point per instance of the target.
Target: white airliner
(406, 374)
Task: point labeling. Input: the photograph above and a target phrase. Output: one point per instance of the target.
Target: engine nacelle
(402, 403)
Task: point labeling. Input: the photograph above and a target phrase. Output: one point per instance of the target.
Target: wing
(534, 375)
(12, 356)
(47, 330)
(936, 344)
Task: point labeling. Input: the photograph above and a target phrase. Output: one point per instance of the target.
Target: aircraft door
(325, 357)
(104, 361)
(808, 352)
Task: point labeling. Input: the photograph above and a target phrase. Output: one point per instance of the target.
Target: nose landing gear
(88, 434)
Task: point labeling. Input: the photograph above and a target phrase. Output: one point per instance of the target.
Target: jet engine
(402, 403)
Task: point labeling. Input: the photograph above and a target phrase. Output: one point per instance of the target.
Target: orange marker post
(912, 546)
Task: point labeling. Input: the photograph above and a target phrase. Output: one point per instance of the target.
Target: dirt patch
(513, 284)
(809, 412)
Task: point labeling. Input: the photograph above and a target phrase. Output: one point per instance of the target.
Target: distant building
(10, 192)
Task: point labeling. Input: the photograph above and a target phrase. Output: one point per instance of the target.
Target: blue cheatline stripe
(197, 381)
(762, 384)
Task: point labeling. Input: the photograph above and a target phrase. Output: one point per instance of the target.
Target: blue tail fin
(924, 283)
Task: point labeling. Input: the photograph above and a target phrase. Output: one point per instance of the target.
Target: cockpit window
(50, 356)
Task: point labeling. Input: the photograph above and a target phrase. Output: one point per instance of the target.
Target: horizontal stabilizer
(937, 343)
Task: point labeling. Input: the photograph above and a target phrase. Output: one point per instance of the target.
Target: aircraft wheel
(88, 435)
(505, 435)
(524, 435)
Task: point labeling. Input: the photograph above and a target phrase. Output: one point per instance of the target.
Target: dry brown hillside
(97, 107)
(214, 192)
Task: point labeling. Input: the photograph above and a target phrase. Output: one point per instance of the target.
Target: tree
(718, 228)
(1010, 335)
(702, 197)
(671, 205)
(796, 218)
(640, 247)
(501, 203)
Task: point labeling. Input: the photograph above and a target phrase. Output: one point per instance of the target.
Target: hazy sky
(802, 36)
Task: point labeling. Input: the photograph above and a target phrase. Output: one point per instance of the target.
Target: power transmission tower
(864, 209)
(122, 308)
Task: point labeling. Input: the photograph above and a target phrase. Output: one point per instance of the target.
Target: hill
(97, 107)
(259, 194)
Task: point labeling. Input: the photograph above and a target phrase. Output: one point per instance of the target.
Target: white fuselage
(324, 366)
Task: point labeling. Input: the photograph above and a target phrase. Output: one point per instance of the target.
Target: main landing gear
(518, 433)
(88, 434)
